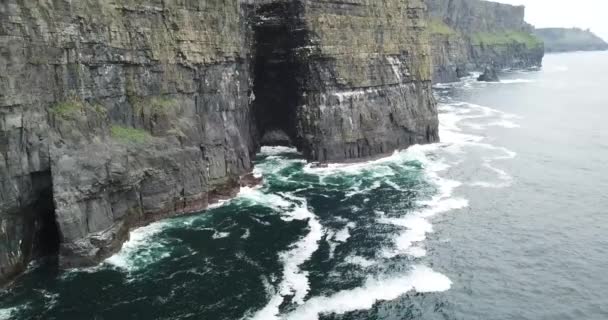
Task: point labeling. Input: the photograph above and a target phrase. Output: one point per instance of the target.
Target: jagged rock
(489, 75)
(462, 72)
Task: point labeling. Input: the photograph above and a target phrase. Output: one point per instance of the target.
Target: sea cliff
(116, 114)
(573, 39)
(470, 35)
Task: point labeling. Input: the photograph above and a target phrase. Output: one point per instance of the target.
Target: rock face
(468, 35)
(574, 39)
(489, 75)
(362, 78)
(116, 114)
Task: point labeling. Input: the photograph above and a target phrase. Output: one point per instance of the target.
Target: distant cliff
(468, 35)
(114, 114)
(573, 39)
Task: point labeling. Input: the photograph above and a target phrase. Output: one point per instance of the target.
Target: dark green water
(505, 219)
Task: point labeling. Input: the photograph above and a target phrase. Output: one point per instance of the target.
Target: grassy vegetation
(154, 105)
(527, 39)
(437, 26)
(68, 109)
(73, 108)
(129, 135)
(162, 104)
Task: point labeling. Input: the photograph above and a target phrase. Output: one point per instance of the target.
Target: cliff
(469, 35)
(363, 85)
(573, 39)
(116, 114)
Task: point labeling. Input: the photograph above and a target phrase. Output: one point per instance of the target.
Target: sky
(584, 14)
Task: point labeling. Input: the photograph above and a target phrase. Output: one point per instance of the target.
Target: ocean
(506, 218)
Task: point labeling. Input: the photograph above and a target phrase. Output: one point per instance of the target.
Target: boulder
(489, 75)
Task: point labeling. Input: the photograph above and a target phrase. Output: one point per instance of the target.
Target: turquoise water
(505, 219)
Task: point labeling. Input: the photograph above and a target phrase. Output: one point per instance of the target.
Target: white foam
(220, 235)
(344, 234)
(377, 166)
(360, 261)
(139, 250)
(416, 223)
(9, 313)
(267, 199)
(247, 234)
(276, 150)
(334, 238)
(295, 281)
(504, 123)
(504, 178)
(416, 252)
(456, 113)
(420, 278)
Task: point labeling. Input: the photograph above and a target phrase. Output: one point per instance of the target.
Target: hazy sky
(584, 14)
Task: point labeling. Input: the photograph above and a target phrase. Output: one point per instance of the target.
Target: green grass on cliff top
(487, 38)
(437, 26)
(129, 135)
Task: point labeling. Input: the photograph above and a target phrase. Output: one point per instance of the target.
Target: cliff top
(570, 39)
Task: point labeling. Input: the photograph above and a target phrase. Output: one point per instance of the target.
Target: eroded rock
(489, 75)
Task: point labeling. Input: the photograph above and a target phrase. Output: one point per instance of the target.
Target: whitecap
(247, 234)
(220, 235)
(294, 281)
(344, 234)
(334, 238)
(360, 261)
(139, 251)
(276, 150)
(11, 313)
(416, 223)
(420, 279)
(256, 195)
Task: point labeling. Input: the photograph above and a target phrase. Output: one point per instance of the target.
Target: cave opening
(275, 74)
(47, 238)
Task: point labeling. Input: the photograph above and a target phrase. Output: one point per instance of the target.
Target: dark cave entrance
(46, 235)
(275, 74)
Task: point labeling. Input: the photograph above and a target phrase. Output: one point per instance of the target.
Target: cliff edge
(470, 35)
(116, 114)
(573, 39)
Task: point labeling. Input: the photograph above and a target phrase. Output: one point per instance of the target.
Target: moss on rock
(129, 135)
(437, 26)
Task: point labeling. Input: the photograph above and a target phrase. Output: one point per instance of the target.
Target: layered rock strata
(116, 114)
(570, 39)
(470, 35)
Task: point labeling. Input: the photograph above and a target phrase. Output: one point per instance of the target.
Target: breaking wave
(420, 279)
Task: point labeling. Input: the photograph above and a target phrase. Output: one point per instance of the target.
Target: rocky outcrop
(368, 87)
(572, 39)
(469, 35)
(362, 79)
(489, 75)
(115, 114)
